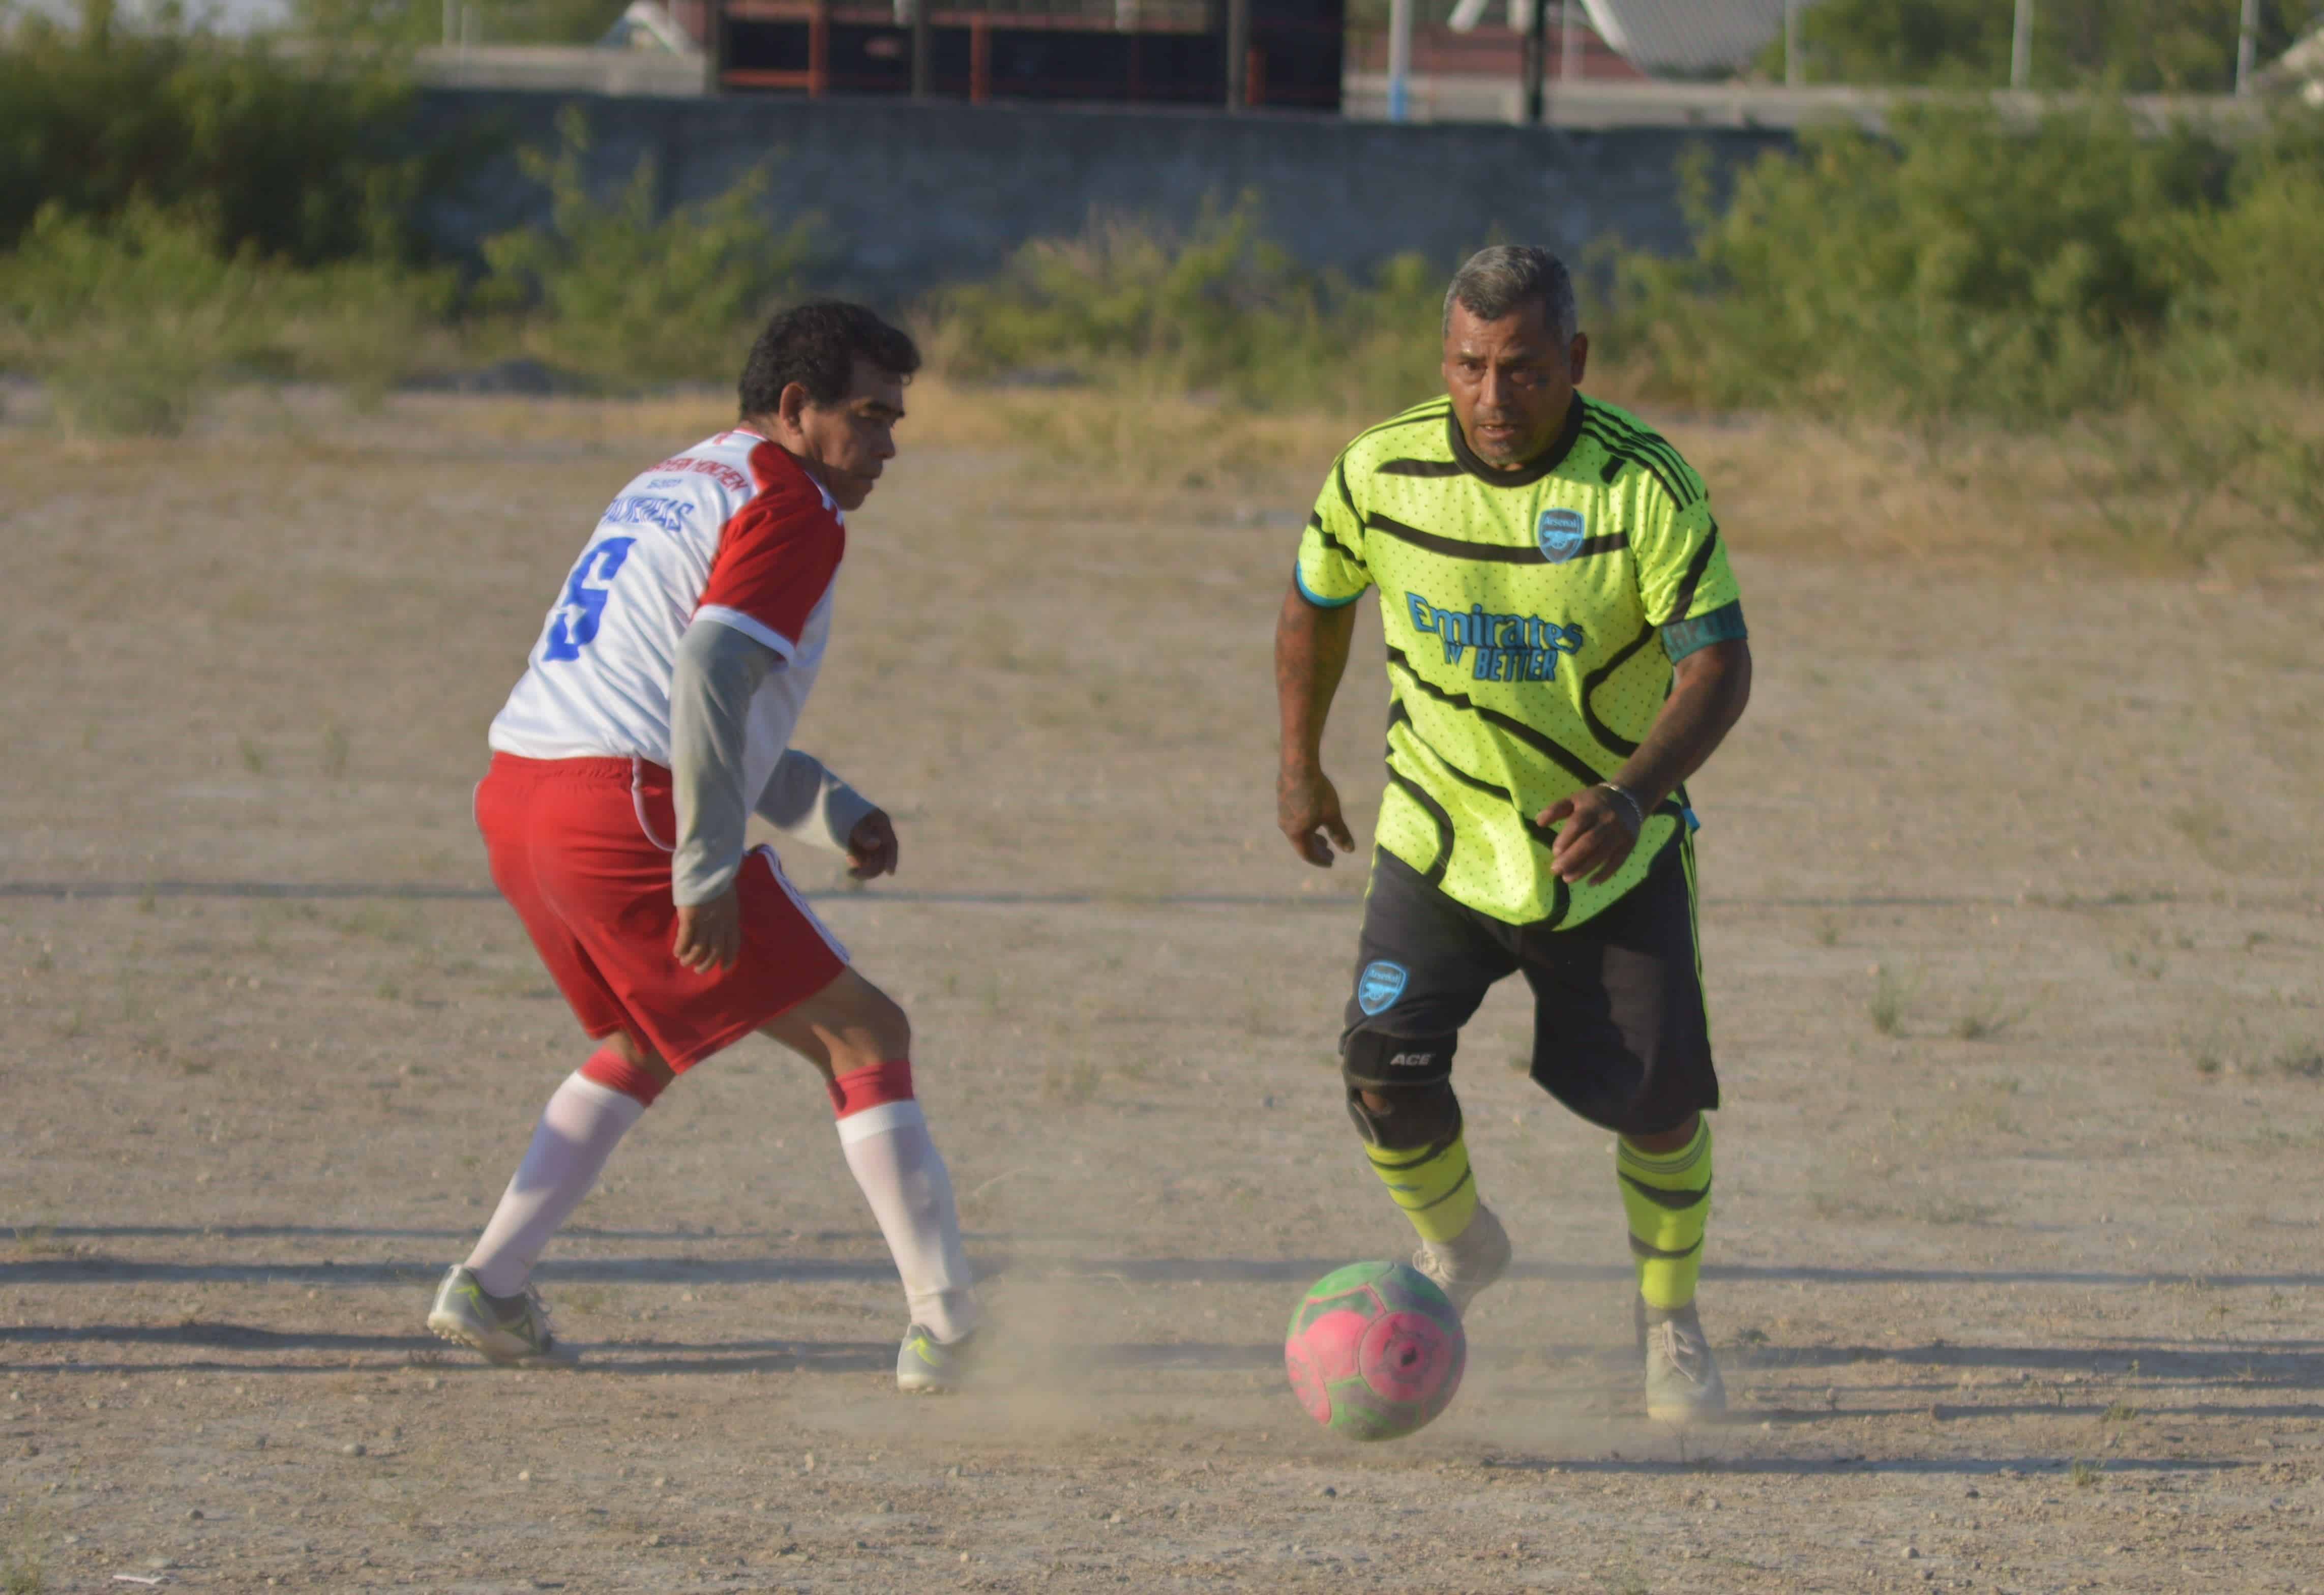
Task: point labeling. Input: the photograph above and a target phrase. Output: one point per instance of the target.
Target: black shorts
(1619, 1031)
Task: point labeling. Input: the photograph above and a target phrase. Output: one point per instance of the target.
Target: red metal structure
(1140, 51)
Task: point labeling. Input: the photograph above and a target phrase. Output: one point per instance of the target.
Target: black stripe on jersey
(1397, 714)
(1435, 873)
(1490, 553)
(1315, 524)
(1693, 579)
(1642, 438)
(1339, 475)
(1631, 437)
(1619, 454)
(1572, 763)
(1427, 410)
(1561, 898)
(1597, 678)
(1421, 468)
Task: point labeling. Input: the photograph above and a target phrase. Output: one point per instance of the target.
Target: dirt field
(2014, 896)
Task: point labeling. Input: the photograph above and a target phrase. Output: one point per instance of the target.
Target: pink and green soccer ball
(1374, 1350)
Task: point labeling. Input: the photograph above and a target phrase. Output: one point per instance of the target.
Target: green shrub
(617, 290)
(2246, 300)
(1221, 308)
(1958, 267)
(307, 160)
(2180, 46)
(132, 320)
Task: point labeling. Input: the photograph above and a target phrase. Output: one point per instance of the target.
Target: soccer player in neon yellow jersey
(1565, 646)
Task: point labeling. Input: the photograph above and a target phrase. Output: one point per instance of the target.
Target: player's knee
(875, 1030)
(1400, 1089)
(621, 1065)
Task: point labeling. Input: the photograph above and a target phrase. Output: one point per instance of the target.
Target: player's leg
(861, 1041)
(1622, 1039)
(487, 1302)
(584, 1119)
(1423, 965)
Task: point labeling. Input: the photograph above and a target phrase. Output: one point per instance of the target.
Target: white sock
(895, 1160)
(578, 1131)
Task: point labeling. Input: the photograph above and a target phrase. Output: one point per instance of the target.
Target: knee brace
(1412, 1076)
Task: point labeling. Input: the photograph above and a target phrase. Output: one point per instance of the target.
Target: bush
(131, 321)
(1221, 308)
(303, 159)
(2244, 295)
(1957, 267)
(615, 289)
(2152, 292)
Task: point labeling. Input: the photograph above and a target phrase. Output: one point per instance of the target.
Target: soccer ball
(1374, 1350)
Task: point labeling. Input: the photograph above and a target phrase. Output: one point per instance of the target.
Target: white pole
(1569, 43)
(2021, 46)
(1399, 59)
(1794, 70)
(2246, 46)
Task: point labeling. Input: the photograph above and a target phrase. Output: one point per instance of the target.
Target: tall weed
(1220, 307)
(616, 289)
(131, 321)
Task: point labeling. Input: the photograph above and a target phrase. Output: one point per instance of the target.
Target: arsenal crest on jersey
(1560, 534)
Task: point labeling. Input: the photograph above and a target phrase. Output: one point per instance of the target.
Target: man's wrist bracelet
(1638, 809)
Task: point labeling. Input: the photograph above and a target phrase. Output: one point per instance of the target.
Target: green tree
(487, 22)
(308, 161)
(2182, 46)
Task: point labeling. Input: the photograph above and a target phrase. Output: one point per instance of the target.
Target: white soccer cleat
(512, 1331)
(1683, 1382)
(926, 1366)
(1470, 1261)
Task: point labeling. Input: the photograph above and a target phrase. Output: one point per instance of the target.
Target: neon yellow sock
(1667, 1197)
(1432, 1184)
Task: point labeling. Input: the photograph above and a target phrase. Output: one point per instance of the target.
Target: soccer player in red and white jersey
(654, 717)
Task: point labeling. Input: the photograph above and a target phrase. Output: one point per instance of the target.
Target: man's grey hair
(1495, 282)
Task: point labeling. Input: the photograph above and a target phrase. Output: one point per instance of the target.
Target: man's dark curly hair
(816, 346)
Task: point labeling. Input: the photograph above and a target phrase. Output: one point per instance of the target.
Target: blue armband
(1723, 625)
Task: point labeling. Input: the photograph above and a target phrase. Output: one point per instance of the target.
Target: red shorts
(580, 847)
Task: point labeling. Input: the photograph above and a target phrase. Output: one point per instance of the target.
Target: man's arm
(718, 670)
(805, 800)
(1595, 828)
(1311, 655)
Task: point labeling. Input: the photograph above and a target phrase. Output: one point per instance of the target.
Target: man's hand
(710, 935)
(1307, 809)
(1594, 837)
(872, 846)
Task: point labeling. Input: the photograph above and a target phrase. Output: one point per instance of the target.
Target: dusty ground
(2013, 928)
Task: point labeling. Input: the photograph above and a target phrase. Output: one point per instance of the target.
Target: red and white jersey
(733, 531)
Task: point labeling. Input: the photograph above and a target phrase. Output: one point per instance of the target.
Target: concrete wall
(916, 195)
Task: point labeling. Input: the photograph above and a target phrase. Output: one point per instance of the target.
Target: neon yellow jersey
(1529, 617)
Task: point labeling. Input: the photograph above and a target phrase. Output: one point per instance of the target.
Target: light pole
(1399, 59)
(1794, 70)
(1239, 57)
(2246, 46)
(1536, 65)
(2021, 46)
